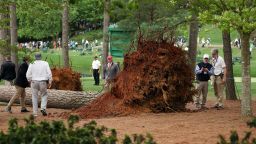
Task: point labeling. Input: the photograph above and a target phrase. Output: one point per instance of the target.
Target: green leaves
(56, 132)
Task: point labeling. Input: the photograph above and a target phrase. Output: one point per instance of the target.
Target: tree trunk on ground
(56, 98)
(246, 105)
(105, 31)
(230, 83)
(14, 35)
(65, 30)
(193, 34)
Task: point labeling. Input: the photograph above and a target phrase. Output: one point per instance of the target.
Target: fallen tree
(56, 98)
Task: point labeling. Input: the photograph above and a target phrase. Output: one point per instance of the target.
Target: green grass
(238, 86)
(211, 31)
(88, 85)
(79, 63)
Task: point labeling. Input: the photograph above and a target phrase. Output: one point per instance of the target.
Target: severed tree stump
(56, 98)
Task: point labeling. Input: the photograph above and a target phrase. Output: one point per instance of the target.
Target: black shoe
(220, 108)
(8, 109)
(215, 106)
(43, 111)
(24, 110)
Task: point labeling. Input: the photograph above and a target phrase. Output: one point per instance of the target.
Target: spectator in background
(96, 70)
(203, 72)
(110, 71)
(39, 75)
(20, 84)
(8, 72)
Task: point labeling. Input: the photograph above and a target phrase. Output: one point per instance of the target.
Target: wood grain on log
(56, 98)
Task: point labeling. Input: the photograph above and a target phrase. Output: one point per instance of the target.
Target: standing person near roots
(203, 72)
(20, 83)
(96, 70)
(219, 78)
(110, 71)
(39, 75)
(8, 72)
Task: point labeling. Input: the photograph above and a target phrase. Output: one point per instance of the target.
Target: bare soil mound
(157, 78)
(66, 79)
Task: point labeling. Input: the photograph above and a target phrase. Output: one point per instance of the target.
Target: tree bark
(4, 50)
(2, 38)
(230, 83)
(14, 35)
(246, 105)
(56, 98)
(105, 31)
(193, 34)
(65, 30)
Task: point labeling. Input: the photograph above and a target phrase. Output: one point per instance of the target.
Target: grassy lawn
(215, 34)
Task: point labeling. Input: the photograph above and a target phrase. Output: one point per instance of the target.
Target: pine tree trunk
(230, 83)
(193, 34)
(2, 38)
(14, 35)
(56, 98)
(65, 30)
(105, 30)
(246, 105)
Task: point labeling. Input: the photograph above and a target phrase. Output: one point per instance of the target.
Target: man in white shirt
(39, 75)
(219, 78)
(96, 70)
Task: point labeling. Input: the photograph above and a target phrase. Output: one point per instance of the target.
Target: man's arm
(198, 70)
(29, 73)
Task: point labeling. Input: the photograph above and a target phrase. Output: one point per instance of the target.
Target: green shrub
(234, 137)
(56, 132)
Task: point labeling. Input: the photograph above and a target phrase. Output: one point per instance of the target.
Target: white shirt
(218, 65)
(96, 64)
(39, 70)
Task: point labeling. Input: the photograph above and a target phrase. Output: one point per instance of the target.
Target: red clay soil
(156, 78)
(66, 79)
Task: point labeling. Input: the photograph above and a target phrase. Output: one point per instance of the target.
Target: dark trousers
(96, 76)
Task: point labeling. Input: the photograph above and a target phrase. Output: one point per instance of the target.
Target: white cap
(206, 56)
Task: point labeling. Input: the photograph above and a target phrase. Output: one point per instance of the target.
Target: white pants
(37, 86)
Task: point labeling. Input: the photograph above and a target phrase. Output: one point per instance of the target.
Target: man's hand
(224, 80)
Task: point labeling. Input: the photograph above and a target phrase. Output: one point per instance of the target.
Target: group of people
(110, 71)
(216, 71)
(37, 75)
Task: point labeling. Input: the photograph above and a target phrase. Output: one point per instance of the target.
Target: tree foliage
(56, 132)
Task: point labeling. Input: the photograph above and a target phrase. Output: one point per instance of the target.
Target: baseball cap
(206, 56)
(109, 57)
(38, 56)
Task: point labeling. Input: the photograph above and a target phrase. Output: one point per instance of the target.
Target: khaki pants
(20, 92)
(8, 83)
(202, 89)
(36, 87)
(218, 90)
(108, 85)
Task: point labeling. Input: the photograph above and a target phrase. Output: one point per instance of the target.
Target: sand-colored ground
(167, 128)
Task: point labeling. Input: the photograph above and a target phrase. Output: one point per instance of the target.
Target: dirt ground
(201, 127)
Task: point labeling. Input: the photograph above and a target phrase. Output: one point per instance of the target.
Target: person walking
(96, 70)
(8, 72)
(39, 75)
(110, 71)
(219, 77)
(20, 83)
(203, 72)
